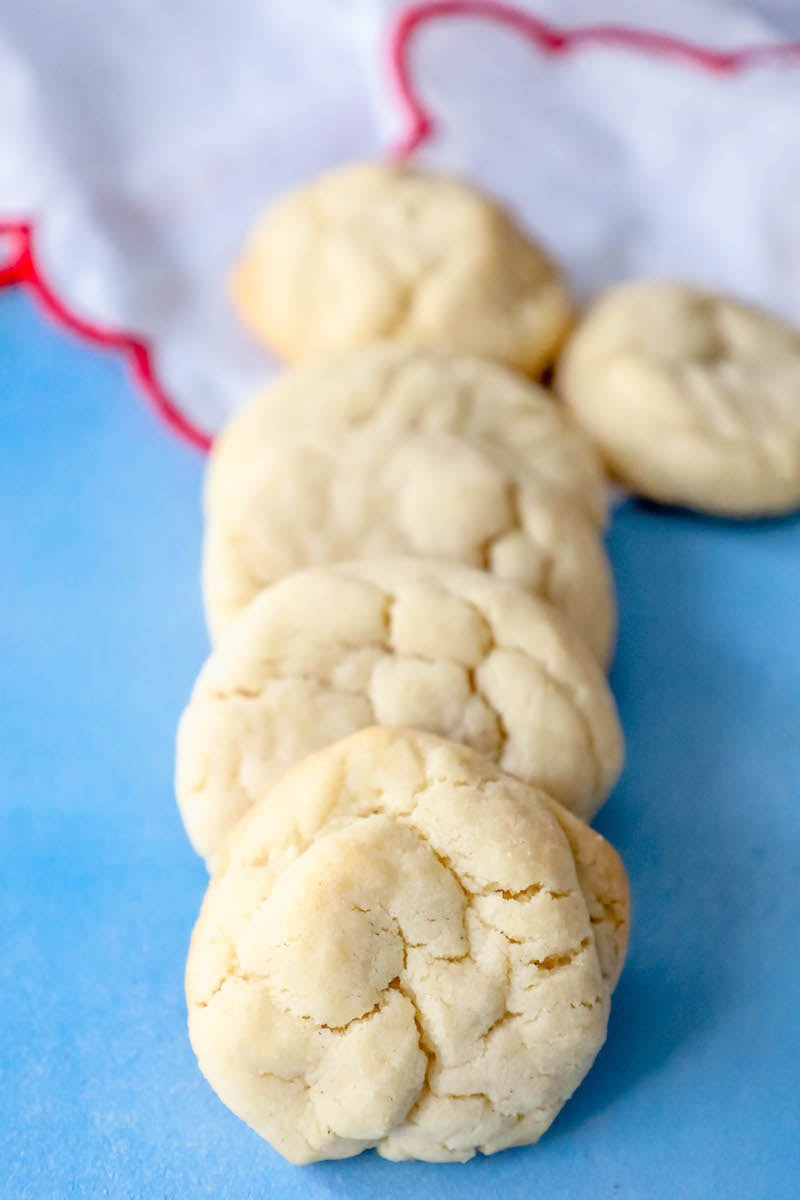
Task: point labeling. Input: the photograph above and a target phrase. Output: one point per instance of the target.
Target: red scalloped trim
(549, 39)
(23, 269)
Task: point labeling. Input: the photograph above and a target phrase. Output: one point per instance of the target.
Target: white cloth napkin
(142, 138)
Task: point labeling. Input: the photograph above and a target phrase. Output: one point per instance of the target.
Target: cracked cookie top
(381, 250)
(444, 648)
(404, 947)
(369, 492)
(396, 389)
(692, 398)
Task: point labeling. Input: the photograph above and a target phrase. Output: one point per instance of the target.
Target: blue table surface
(696, 1092)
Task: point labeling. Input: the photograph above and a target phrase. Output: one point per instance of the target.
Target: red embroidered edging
(23, 270)
(549, 39)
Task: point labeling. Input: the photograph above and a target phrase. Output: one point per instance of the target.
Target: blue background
(696, 1092)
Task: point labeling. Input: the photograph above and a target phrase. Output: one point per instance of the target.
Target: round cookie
(368, 493)
(444, 648)
(397, 389)
(404, 948)
(692, 398)
(380, 250)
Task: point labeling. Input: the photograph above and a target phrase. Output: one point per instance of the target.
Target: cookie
(444, 648)
(404, 948)
(387, 250)
(397, 389)
(692, 398)
(367, 493)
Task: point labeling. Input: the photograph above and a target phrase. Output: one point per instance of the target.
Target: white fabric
(143, 137)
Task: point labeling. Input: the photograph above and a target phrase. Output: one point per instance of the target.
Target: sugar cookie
(369, 493)
(444, 648)
(387, 250)
(396, 389)
(404, 948)
(692, 398)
